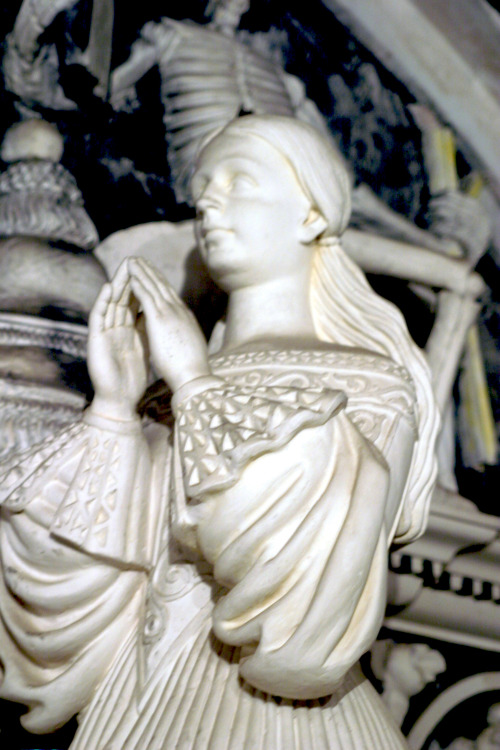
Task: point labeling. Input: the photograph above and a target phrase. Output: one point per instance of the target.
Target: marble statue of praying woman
(209, 579)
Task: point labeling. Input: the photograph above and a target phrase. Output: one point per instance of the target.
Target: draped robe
(212, 585)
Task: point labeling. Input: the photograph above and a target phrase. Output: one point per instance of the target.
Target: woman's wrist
(185, 375)
(118, 410)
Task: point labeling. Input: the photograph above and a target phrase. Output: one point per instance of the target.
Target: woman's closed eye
(242, 182)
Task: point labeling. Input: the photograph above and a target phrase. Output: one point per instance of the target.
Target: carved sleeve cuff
(21, 474)
(96, 476)
(193, 388)
(221, 429)
(104, 510)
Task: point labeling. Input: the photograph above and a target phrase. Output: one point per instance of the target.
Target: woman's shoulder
(372, 383)
(314, 356)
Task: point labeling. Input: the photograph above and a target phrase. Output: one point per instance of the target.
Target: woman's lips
(206, 232)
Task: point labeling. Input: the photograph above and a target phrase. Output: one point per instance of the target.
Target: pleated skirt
(195, 700)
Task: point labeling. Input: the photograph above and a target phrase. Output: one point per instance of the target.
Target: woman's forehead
(240, 148)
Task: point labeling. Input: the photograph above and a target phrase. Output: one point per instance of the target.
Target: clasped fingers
(177, 345)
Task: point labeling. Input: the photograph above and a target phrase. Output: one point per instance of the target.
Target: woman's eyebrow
(243, 161)
(227, 164)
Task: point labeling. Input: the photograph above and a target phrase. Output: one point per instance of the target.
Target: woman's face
(250, 208)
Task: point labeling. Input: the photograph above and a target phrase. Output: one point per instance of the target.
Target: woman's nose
(210, 199)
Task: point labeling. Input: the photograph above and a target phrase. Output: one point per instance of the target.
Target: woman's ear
(314, 225)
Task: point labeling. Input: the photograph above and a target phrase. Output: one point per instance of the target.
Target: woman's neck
(275, 309)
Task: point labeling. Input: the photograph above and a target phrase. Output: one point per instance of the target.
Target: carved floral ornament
(214, 583)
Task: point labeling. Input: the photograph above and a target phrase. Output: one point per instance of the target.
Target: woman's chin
(224, 271)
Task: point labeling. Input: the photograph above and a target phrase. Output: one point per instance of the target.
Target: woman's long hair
(345, 309)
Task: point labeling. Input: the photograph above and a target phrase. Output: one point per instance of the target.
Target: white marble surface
(247, 538)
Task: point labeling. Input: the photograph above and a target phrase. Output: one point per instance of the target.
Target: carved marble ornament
(210, 579)
(46, 235)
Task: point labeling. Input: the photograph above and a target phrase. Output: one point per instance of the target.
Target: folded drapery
(280, 481)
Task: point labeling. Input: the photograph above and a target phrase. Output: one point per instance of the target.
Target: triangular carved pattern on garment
(19, 472)
(91, 500)
(378, 391)
(220, 430)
